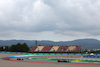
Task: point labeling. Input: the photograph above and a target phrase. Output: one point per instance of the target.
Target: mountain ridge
(85, 43)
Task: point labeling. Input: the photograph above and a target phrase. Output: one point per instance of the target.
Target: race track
(39, 63)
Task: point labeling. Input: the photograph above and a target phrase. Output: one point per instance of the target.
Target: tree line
(16, 48)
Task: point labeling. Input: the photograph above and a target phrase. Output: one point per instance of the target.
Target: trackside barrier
(71, 54)
(3, 52)
(40, 53)
(24, 53)
(64, 54)
(78, 54)
(58, 54)
(35, 53)
(13, 52)
(98, 54)
(29, 53)
(92, 56)
(46, 53)
(8, 52)
(52, 53)
(85, 54)
(18, 53)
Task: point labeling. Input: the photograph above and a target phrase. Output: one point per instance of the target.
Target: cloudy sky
(56, 20)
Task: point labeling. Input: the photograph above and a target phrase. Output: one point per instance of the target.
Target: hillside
(85, 43)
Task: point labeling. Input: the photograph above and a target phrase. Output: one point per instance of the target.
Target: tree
(6, 48)
(19, 48)
(1, 49)
(25, 47)
(13, 48)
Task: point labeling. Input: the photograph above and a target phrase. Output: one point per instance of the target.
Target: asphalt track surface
(18, 63)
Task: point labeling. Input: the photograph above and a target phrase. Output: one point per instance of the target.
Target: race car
(63, 61)
(19, 58)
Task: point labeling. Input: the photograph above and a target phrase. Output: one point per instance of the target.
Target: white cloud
(67, 18)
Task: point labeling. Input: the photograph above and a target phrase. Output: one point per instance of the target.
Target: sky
(55, 20)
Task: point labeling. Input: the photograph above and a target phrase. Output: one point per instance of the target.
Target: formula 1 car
(63, 61)
(19, 58)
